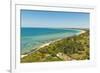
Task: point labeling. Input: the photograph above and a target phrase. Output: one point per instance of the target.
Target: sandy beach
(45, 44)
(82, 31)
(23, 55)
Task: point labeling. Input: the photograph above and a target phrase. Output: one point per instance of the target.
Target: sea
(32, 38)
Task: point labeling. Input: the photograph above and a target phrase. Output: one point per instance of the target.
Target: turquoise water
(32, 38)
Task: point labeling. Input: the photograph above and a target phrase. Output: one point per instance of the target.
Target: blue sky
(53, 19)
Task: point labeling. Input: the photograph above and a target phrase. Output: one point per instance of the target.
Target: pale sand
(81, 32)
(23, 55)
(47, 44)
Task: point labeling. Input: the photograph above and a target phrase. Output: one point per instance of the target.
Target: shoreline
(47, 44)
(82, 31)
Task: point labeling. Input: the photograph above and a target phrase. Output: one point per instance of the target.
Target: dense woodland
(66, 49)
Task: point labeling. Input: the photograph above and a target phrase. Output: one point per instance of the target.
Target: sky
(54, 19)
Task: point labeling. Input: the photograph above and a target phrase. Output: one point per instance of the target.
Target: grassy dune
(66, 49)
